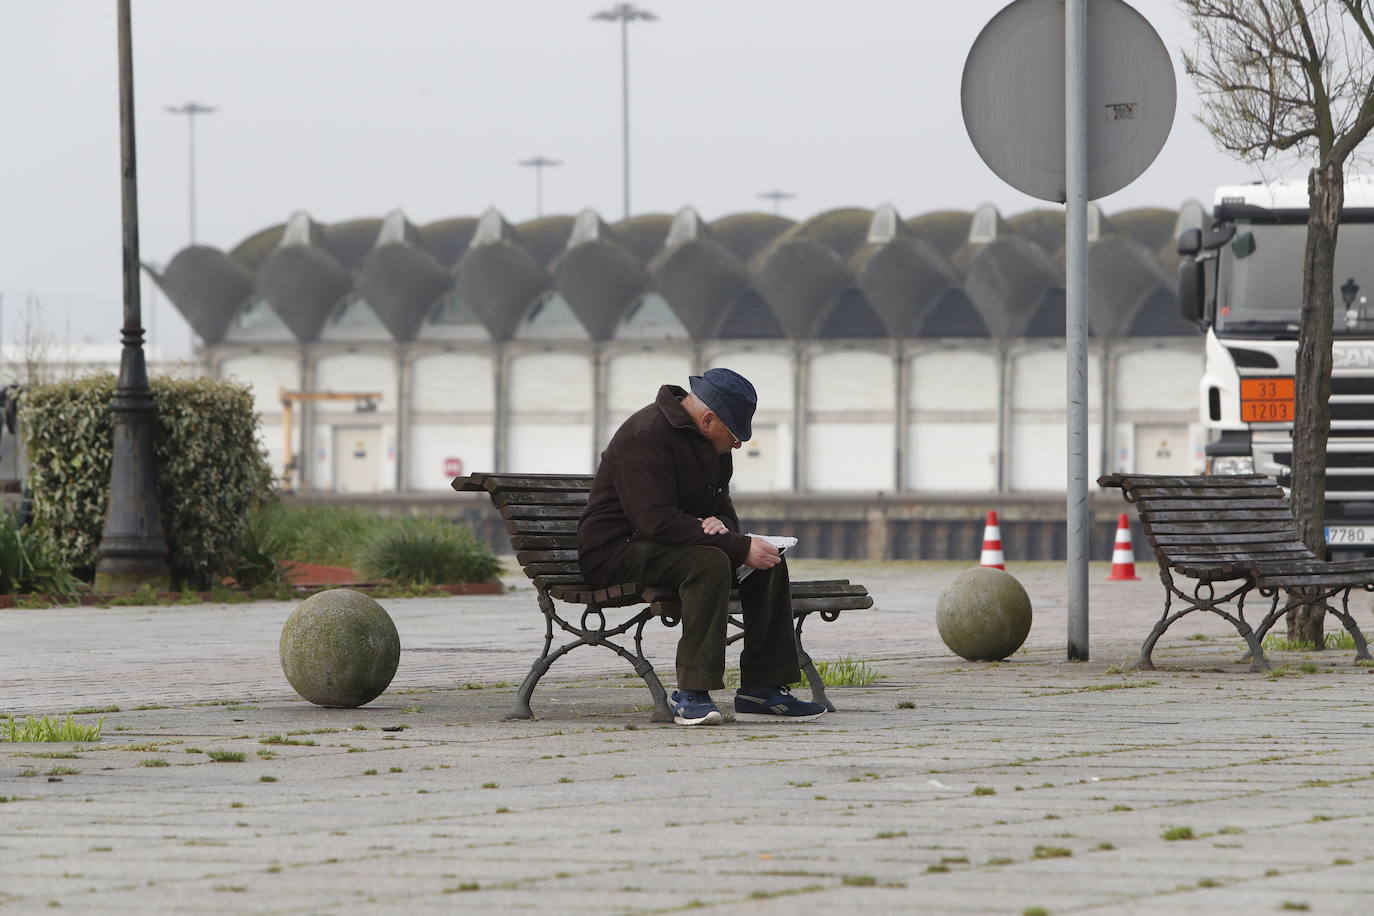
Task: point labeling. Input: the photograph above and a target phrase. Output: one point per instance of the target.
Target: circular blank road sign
(1013, 96)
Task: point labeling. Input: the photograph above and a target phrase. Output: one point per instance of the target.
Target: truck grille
(1352, 405)
(1349, 450)
(1349, 468)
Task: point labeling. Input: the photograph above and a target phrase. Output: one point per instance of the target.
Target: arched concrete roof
(1044, 227)
(643, 236)
(953, 314)
(304, 283)
(498, 276)
(546, 238)
(401, 279)
(1122, 275)
(207, 287)
(945, 230)
(253, 251)
(1152, 227)
(350, 241)
(899, 273)
(852, 270)
(598, 277)
(1008, 278)
(799, 277)
(696, 277)
(447, 239)
(746, 234)
(842, 231)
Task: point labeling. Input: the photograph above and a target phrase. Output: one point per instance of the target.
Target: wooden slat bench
(1234, 536)
(541, 513)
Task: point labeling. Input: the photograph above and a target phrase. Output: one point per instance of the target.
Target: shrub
(211, 470)
(29, 566)
(312, 533)
(426, 550)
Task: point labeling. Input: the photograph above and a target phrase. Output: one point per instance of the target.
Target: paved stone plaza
(948, 787)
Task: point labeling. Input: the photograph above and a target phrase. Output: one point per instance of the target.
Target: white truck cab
(1240, 278)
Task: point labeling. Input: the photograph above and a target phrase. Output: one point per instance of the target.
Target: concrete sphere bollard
(984, 615)
(339, 648)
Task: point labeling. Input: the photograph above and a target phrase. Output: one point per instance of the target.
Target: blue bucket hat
(732, 398)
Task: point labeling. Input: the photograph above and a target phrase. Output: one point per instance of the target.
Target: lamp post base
(129, 564)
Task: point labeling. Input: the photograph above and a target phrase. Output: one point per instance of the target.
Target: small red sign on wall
(453, 467)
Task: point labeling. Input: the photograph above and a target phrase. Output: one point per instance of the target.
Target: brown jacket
(658, 478)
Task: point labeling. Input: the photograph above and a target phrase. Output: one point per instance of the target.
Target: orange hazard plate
(1266, 400)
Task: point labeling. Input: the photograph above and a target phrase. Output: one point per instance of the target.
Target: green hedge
(211, 471)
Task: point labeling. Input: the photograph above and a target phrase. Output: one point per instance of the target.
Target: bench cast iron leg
(808, 667)
(522, 710)
(645, 669)
(1347, 618)
(537, 670)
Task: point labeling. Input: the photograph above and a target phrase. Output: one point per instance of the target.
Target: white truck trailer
(1240, 277)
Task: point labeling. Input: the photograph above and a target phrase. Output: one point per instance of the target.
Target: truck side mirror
(1190, 242)
(1218, 237)
(1191, 289)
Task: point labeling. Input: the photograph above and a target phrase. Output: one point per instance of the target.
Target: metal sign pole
(1076, 323)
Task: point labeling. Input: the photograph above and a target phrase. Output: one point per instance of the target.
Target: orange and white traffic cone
(1123, 554)
(992, 544)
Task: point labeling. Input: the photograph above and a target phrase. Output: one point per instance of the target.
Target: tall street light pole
(132, 550)
(625, 13)
(191, 109)
(539, 163)
(777, 197)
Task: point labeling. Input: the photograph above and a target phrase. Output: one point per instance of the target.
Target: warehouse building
(890, 355)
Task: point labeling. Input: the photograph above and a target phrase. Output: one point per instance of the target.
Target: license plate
(1350, 534)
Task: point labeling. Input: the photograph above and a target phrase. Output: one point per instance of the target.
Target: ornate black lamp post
(132, 550)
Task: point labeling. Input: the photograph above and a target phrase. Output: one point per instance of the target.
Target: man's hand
(713, 525)
(762, 555)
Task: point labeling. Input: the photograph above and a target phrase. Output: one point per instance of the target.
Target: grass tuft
(1340, 640)
(49, 730)
(845, 672)
(1178, 833)
(1051, 852)
(219, 756)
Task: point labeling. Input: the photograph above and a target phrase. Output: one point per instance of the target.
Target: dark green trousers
(703, 577)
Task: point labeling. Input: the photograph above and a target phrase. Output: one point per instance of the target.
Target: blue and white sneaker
(774, 703)
(694, 707)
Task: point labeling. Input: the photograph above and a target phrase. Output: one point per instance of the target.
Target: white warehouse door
(357, 459)
(1163, 450)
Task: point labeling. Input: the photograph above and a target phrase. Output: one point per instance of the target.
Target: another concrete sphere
(984, 615)
(339, 648)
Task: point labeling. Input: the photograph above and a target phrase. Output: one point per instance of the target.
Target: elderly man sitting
(659, 513)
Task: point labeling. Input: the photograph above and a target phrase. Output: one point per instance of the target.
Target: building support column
(305, 462)
(403, 411)
(501, 420)
(1107, 406)
(599, 409)
(903, 424)
(1004, 417)
(876, 534)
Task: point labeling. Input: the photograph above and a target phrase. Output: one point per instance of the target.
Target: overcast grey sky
(349, 108)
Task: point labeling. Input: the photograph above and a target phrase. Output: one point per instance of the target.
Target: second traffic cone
(1123, 554)
(992, 544)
